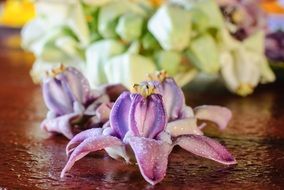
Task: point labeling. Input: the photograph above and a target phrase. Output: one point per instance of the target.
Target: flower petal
(79, 138)
(118, 152)
(147, 115)
(217, 114)
(183, 127)
(165, 137)
(205, 147)
(103, 112)
(186, 112)
(152, 157)
(91, 144)
(120, 113)
(76, 84)
(55, 97)
(173, 98)
(61, 125)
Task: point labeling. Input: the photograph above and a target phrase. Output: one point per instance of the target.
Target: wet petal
(76, 84)
(78, 107)
(61, 125)
(152, 157)
(173, 98)
(103, 112)
(55, 97)
(51, 115)
(183, 127)
(79, 138)
(147, 115)
(206, 147)
(165, 137)
(119, 115)
(108, 131)
(186, 112)
(217, 114)
(91, 144)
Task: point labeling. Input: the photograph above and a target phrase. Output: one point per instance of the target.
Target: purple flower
(140, 120)
(173, 97)
(176, 108)
(72, 105)
(274, 46)
(243, 17)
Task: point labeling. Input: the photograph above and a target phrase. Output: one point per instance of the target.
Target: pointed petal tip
(231, 161)
(152, 158)
(153, 182)
(80, 137)
(66, 168)
(62, 174)
(207, 148)
(90, 144)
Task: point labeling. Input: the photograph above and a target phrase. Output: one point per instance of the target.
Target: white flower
(243, 65)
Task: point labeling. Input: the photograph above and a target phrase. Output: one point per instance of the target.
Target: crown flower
(141, 120)
(72, 105)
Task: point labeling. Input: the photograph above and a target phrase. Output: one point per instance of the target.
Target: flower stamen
(244, 89)
(145, 89)
(158, 76)
(56, 70)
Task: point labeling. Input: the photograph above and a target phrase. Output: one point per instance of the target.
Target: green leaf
(168, 61)
(171, 26)
(203, 53)
(130, 27)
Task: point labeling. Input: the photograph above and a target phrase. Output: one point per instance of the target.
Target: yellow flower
(17, 12)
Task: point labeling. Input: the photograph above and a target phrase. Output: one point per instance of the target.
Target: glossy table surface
(32, 159)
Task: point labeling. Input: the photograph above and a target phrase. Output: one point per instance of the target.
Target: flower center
(237, 16)
(244, 89)
(145, 89)
(56, 70)
(158, 76)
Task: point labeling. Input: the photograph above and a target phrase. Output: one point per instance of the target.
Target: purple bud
(147, 115)
(173, 97)
(63, 87)
(56, 98)
(141, 113)
(119, 115)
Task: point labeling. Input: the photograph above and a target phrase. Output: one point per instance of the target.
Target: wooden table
(31, 159)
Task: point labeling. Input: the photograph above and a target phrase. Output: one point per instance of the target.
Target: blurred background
(15, 14)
